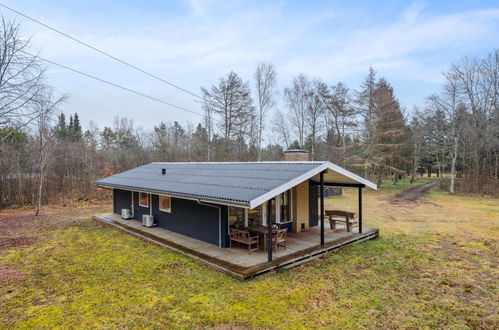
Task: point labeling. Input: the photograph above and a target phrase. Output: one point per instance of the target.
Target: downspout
(150, 205)
(133, 207)
(219, 220)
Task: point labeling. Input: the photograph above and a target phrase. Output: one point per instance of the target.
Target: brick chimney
(295, 155)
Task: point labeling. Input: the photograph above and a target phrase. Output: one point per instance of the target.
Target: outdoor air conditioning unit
(126, 214)
(148, 220)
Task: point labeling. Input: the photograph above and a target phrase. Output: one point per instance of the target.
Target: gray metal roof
(246, 184)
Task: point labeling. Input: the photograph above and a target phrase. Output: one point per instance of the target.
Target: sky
(193, 43)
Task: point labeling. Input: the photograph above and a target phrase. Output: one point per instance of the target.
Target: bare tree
(340, 112)
(315, 113)
(366, 106)
(281, 127)
(417, 142)
(208, 123)
(20, 78)
(298, 100)
(477, 81)
(265, 81)
(44, 106)
(448, 103)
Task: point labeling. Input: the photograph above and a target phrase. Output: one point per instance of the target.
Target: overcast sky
(193, 43)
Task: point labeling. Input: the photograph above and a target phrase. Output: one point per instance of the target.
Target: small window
(165, 204)
(144, 199)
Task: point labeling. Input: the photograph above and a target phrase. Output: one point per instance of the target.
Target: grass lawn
(434, 265)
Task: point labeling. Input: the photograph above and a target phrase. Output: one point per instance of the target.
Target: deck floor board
(237, 261)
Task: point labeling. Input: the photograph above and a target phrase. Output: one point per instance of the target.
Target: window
(236, 216)
(165, 204)
(144, 199)
(256, 216)
(285, 206)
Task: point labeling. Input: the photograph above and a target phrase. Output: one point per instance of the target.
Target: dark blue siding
(121, 200)
(189, 218)
(313, 206)
(138, 211)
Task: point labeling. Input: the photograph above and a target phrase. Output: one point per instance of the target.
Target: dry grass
(434, 265)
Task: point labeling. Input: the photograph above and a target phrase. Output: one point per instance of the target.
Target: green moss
(87, 276)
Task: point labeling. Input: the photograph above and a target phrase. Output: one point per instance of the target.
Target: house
(201, 202)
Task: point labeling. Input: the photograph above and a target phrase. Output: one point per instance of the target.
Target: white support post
(245, 217)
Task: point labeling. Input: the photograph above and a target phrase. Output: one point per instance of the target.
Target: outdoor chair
(243, 237)
(278, 239)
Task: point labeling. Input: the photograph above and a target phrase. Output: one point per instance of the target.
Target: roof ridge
(308, 162)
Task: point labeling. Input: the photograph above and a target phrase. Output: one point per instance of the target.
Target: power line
(113, 84)
(100, 51)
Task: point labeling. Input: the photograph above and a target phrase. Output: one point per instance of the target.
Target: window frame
(159, 203)
(140, 199)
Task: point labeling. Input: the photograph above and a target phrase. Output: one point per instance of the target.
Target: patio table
(260, 231)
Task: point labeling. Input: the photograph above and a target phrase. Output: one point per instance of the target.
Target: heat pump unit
(125, 214)
(148, 220)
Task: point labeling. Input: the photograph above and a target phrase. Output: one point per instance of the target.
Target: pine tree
(76, 129)
(390, 134)
(60, 130)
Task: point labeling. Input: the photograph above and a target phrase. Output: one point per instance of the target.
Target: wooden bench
(349, 218)
(243, 237)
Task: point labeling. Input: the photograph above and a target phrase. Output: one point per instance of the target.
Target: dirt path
(413, 193)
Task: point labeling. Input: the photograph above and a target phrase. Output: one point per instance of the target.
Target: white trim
(159, 203)
(282, 188)
(143, 205)
(245, 217)
(158, 192)
(352, 176)
(290, 184)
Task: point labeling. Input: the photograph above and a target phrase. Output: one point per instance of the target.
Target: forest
(47, 155)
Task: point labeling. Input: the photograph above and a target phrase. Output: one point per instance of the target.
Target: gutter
(166, 193)
(219, 219)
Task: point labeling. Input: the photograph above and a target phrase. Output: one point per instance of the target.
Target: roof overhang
(333, 175)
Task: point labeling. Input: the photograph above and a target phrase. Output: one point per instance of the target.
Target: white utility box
(148, 220)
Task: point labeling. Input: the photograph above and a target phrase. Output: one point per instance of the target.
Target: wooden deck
(301, 247)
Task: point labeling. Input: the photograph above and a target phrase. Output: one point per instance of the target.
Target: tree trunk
(453, 167)
(40, 188)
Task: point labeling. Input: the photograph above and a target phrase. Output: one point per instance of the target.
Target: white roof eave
(290, 184)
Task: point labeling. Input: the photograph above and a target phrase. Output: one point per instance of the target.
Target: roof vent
(163, 171)
(295, 155)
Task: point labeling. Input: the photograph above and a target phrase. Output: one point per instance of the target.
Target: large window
(285, 206)
(236, 216)
(165, 204)
(144, 199)
(256, 215)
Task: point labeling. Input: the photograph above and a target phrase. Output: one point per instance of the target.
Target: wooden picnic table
(350, 218)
